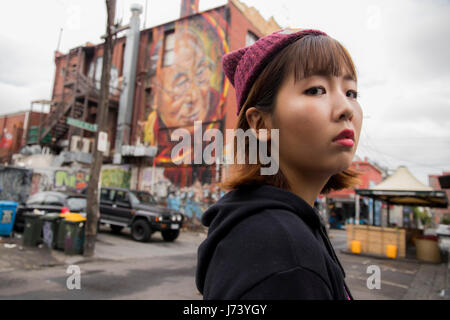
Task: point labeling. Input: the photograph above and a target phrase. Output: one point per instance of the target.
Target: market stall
(401, 188)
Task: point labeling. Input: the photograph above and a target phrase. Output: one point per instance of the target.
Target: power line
(371, 145)
(436, 166)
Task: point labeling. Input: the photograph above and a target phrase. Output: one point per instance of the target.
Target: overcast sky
(401, 50)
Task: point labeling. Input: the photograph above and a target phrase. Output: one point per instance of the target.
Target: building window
(250, 39)
(169, 46)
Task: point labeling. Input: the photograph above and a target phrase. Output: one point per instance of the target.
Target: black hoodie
(267, 243)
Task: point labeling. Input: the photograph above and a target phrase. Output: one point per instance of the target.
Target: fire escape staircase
(56, 123)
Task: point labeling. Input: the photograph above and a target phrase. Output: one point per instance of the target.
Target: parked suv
(138, 210)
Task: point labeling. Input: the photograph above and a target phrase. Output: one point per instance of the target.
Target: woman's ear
(257, 120)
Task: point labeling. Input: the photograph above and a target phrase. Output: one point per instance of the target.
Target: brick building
(16, 130)
(434, 183)
(174, 79)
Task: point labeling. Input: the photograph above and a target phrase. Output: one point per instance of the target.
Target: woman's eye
(315, 91)
(352, 94)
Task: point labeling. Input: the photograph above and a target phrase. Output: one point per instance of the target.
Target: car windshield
(77, 204)
(134, 199)
(144, 197)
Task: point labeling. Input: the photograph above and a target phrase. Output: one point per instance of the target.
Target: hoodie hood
(244, 202)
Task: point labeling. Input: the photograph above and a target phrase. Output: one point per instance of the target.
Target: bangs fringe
(319, 55)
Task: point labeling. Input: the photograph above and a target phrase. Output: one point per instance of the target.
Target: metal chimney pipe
(128, 84)
(188, 8)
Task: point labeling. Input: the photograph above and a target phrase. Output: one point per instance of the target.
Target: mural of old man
(187, 85)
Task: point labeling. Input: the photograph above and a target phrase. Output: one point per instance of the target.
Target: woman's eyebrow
(349, 77)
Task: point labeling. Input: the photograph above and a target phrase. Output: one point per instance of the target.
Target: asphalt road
(125, 269)
(122, 269)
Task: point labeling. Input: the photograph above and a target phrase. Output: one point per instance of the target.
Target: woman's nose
(343, 108)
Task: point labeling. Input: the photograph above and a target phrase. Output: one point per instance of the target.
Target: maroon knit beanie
(243, 66)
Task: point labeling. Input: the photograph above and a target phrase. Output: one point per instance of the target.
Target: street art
(6, 140)
(71, 181)
(59, 179)
(15, 184)
(187, 84)
(41, 181)
(47, 234)
(146, 178)
(117, 177)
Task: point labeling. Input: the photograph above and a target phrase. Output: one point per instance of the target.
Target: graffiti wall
(42, 180)
(116, 176)
(191, 200)
(71, 180)
(15, 184)
(59, 179)
(184, 83)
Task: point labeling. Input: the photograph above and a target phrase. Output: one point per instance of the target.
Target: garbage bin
(7, 217)
(33, 229)
(74, 234)
(50, 224)
(61, 234)
(427, 249)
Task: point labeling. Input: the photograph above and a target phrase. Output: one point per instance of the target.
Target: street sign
(102, 141)
(81, 124)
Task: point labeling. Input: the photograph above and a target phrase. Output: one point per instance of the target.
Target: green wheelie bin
(32, 230)
(61, 233)
(74, 234)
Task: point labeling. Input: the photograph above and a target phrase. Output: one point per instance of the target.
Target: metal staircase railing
(56, 121)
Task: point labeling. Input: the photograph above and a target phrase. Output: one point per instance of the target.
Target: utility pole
(92, 209)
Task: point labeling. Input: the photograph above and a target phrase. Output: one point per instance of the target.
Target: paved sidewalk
(401, 279)
(109, 247)
(429, 283)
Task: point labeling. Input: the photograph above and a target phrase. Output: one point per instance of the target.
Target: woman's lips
(345, 138)
(345, 142)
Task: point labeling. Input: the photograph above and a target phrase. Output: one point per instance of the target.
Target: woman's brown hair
(311, 55)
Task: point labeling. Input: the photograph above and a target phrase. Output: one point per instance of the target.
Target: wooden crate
(374, 240)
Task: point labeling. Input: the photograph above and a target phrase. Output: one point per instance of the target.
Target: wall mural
(116, 176)
(6, 139)
(71, 181)
(42, 180)
(15, 184)
(192, 200)
(187, 84)
(76, 180)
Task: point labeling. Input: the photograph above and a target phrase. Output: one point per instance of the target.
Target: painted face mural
(184, 90)
(184, 83)
(186, 79)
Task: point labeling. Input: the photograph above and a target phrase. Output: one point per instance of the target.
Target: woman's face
(310, 113)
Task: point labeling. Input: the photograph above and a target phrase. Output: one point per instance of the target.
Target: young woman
(266, 240)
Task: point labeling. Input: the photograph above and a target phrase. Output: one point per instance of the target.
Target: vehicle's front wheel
(170, 235)
(141, 231)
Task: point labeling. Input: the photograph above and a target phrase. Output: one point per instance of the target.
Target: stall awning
(434, 199)
(402, 188)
